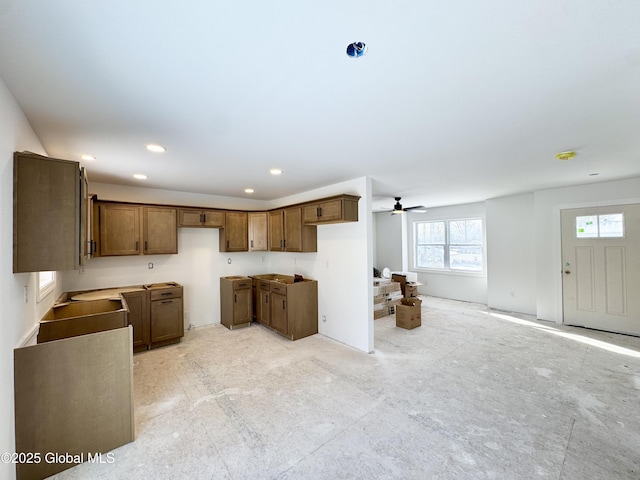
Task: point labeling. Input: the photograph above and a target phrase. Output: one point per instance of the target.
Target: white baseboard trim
(30, 337)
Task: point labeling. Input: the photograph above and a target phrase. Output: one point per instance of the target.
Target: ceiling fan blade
(416, 208)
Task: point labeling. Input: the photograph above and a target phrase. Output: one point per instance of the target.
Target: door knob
(567, 272)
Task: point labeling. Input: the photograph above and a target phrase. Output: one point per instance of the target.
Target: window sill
(459, 273)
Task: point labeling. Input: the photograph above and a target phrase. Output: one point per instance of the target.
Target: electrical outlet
(324, 318)
(26, 294)
(150, 265)
(229, 261)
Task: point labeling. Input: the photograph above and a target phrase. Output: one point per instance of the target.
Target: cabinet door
(138, 304)
(258, 232)
(262, 307)
(310, 213)
(167, 320)
(119, 229)
(160, 230)
(234, 236)
(276, 234)
(242, 310)
(330, 211)
(46, 213)
(293, 229)
(212, 218)
(279, 312)
(188, 217)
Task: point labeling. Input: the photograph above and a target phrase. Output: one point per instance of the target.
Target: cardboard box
(411, 290)
(386, 288)
(409, 313)
(384, 311)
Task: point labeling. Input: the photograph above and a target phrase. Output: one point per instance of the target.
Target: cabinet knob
(235, 298)
(136, 245)
(283, 307)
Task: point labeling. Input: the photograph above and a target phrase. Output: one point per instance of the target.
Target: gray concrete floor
(472, 394)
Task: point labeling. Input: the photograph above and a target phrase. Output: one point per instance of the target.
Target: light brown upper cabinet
(288, 234)
(258, 228)
(332, 210)
(190, 217)
(159, 230)
(234, 235)
(276, 231)
(47, 223)
(130, 229)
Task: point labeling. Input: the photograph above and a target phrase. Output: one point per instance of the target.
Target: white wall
(511, 261)
(388, 239)
(342, 265)
(19, 319)
(548, 204)
(454, 285)
(198, 266)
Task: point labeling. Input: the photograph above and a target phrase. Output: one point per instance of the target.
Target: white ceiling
(454, 102)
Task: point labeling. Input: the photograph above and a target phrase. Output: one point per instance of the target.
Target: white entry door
(601, 268)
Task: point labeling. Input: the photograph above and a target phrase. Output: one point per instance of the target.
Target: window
(46, 284)
(600, 226)
(454, 245)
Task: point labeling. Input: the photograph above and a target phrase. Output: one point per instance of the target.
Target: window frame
(43, 290)
(447, 246)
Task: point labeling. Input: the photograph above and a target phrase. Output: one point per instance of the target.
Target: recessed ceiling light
(89, 158)
(568, 155)
(248, 190)
(275, 171)
(156, 148)
(140, 176)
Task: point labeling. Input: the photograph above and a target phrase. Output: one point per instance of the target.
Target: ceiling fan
(397, 208)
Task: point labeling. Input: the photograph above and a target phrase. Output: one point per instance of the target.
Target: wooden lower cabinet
(290, 308)
(138, 306)
(166, 314)
(166, 320)
(278, 313)
(236, 302)
(262, 305)
(156, 312)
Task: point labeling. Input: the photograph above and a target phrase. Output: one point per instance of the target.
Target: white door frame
(557, 247)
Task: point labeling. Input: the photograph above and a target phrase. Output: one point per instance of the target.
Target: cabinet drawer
(262, 285)
(279, 288)
(165, 293)
(242, 284)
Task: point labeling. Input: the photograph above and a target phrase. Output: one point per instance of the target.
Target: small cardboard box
(408, 314)
(411, 290)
